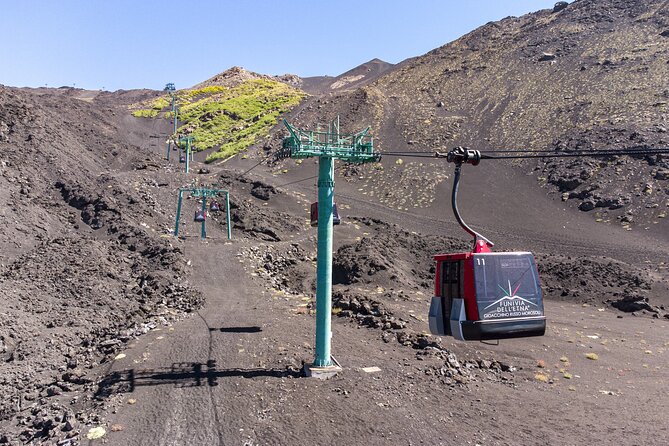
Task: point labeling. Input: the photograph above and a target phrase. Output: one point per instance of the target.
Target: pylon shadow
(181, 374)
(252, 329)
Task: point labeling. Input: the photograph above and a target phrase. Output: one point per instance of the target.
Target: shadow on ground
(237, 329)
(181, 374)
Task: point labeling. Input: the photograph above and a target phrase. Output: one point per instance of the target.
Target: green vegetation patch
(231, 119)
(190, 94)
(150, 108)
(145, 113)
(160, 103)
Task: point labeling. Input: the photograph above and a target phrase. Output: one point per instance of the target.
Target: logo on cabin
(511, 305)
(509, 296)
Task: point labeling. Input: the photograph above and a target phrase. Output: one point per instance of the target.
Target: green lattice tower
(172, 91)
(175, 110)
(186, 144)
(203, 192)
(327, 146)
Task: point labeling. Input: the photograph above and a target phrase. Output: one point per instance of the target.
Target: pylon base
(326, 372)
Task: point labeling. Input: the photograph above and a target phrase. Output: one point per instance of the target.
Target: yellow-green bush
(231, 118)
(160, 103)
(145, 113)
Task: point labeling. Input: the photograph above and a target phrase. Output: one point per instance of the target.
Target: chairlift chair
(314, 214)
(200, 216)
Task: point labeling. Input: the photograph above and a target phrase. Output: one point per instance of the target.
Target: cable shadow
(181, 374)
(252, 329)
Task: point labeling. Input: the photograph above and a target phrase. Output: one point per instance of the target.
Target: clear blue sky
(146, 43)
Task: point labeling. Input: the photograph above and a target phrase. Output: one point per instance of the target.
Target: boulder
(615, 202)
(567, 184)
(559, 6)
(632, 303)
(546, 57)
(587, 205)
(662, 174)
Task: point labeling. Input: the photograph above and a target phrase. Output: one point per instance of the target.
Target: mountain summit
(230, 78)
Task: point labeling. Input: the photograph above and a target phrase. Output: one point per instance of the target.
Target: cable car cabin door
(448, 302)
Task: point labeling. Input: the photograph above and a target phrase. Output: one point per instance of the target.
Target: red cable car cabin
(484, 295)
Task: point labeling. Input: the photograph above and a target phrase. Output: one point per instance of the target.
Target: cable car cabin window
(507, 286)
(452, 285)
(451, 279)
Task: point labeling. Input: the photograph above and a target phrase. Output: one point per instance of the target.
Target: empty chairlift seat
(199, 216)
(314, 214)
(214, 206)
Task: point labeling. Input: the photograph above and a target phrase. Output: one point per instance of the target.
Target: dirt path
(176, 373)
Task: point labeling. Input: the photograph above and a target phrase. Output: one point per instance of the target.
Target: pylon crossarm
(185, 141)
(200, 192)
(352, 148)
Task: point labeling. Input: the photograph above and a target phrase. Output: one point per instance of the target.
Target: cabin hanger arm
(460, 155)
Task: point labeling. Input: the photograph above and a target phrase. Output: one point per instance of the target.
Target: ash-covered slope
(591, 75)
(82, 265)
(360, 76)
(532, 80)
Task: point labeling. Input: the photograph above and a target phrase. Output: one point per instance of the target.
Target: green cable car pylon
(186, 146)
(204, 192)
(327, 146)
(172, 91)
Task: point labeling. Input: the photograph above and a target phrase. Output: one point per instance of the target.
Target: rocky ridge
(583, 76)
